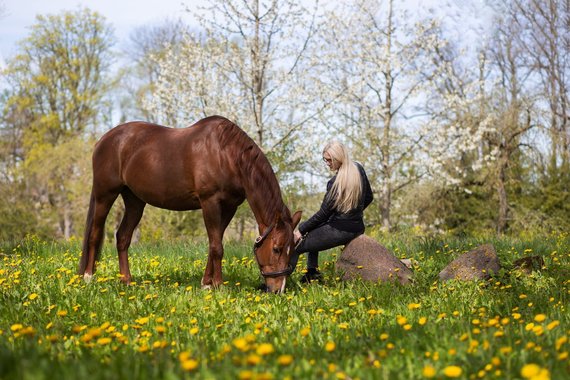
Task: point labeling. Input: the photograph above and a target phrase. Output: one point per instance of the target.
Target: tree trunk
(503, 201)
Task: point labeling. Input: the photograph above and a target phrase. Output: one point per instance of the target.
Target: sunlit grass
(54, 325)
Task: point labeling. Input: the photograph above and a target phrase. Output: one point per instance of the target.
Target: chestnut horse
(212, 165)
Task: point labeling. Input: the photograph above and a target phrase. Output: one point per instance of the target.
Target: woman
(339, 219)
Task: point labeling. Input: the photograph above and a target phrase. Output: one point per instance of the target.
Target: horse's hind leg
(95, 229)
(217, 217)
(134, 208)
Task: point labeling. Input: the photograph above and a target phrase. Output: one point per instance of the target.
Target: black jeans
(320, 239)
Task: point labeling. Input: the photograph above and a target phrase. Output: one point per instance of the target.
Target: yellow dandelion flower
(429, 371)
(253, 359)
(189, 364)
(422, 321)
(563, 355)
(265, 349)
(194, 330)
(33, 296)
(330, 346)
(245, 375)
(401, 320)
(516, 316)
(539, 318)
(552, 325)
(103, 341)
(407, 327)
(413, 306)
(142, 320)
(62, 313)
(452, 371)
(530, 370)
(305, 331)
(561, 341)
(285, 360)
(160, 329)
(143, 348)
(384, 336)
(241, 344)
(16, 327)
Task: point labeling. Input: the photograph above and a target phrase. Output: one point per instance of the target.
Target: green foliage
(164, 326)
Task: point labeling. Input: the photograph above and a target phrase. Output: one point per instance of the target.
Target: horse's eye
(276, 249)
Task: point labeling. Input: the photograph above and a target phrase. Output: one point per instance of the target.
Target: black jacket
(351, 221)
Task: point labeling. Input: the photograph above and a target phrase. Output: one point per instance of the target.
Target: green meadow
(164, 326)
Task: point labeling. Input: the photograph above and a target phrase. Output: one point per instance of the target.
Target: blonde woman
(340, 217)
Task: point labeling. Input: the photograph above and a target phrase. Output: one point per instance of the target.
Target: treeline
(459, 134)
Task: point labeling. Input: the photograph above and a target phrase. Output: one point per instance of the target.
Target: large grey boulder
(365, 258)
(477, 264)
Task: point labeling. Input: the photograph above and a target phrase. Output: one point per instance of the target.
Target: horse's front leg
(217, 217)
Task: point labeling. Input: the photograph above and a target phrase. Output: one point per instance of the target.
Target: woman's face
(331, 162)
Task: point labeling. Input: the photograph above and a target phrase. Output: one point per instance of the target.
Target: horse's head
(273, 249)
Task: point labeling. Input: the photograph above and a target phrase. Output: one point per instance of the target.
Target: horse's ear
(296, 219)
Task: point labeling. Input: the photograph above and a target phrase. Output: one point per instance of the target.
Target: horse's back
(167, 167)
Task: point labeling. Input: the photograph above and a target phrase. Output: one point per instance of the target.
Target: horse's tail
(87, 237)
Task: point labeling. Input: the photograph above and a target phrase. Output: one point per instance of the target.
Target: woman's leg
(320, 239)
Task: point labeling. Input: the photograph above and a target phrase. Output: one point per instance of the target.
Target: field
(53, 325)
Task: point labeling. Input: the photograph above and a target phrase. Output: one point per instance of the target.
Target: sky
(125, 15)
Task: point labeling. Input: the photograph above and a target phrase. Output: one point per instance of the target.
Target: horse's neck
(265, 206)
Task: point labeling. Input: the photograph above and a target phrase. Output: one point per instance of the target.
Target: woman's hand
(296, 236)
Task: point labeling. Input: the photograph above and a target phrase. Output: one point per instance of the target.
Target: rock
(477, 264)
(365, 258)
(529, 264)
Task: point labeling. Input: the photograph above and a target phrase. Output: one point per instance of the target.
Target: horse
(211, 165)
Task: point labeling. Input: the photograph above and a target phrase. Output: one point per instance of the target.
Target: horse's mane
(260, 183)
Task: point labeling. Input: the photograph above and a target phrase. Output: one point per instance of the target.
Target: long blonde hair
(347, 186)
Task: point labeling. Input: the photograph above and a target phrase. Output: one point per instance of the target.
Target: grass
(53, 325)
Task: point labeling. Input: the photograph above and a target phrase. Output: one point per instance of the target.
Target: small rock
(477, 264)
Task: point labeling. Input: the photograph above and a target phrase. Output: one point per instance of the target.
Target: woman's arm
(321, 216)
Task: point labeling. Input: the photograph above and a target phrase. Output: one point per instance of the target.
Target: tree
(249, 65)
(371, 63)
(148, 44)
(57, 84)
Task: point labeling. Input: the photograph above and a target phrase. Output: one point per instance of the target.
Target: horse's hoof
(87, 278)
(206, 287)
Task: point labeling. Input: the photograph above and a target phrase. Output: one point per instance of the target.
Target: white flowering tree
(372, 69)
(249, 64)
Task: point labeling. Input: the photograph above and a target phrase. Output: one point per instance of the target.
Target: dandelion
(241, 344)
(429, 371)
(413, 306)
(529, 371)
(285, 360)
(16, 327)
(401, 320)
(305, 331)
(330, 346)
(265, 349)
(103, 341)
(253, 359)
(62, 313)
(245, 375)
(539, 318)
(194, 330)
(384, 336)
(189, 364)
(452, 371)
(33, 296)
(422, 321)
(552, 325)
